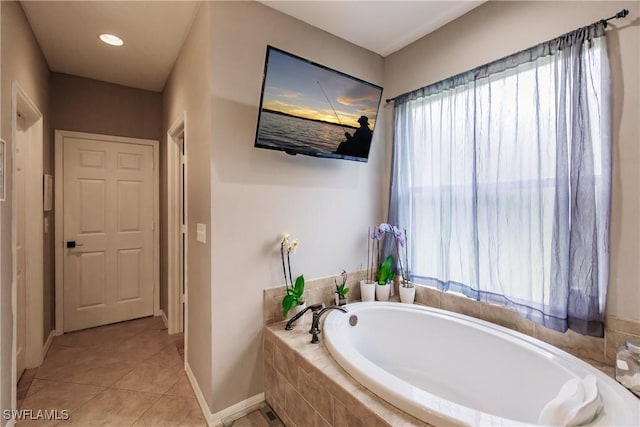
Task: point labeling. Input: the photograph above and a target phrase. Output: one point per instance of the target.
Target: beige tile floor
(126, 374)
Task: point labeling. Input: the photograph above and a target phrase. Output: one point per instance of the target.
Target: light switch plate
(201, 233)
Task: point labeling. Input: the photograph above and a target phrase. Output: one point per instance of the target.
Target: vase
(295, 310)
(367, 290)
(407, 295)
(382, 292)
(341, 300)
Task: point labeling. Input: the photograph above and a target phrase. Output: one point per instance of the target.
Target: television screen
(306, 108)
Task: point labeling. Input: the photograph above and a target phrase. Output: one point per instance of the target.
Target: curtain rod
(622, 14)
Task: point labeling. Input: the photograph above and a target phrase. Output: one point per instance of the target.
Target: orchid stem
(284, 269)
(289, 263)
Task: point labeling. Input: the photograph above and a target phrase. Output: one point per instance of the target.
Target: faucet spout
(314, 308)
(315, 324)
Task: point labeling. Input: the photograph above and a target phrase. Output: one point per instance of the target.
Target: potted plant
(406, 288)
(407, 291)
(385, 279)
(341, 290)
(294, 299)
(368, 284)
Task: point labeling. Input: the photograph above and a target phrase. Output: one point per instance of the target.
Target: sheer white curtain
(501, 177)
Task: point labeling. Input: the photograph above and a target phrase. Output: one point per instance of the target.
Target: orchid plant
(295, 291)
(341, 289)
(385, 271)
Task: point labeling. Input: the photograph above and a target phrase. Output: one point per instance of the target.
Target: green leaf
(288, 302)
(299, 286)
(345, 291)
(386, 271)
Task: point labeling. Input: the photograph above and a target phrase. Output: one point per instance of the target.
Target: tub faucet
(314, 308)
(315, 324)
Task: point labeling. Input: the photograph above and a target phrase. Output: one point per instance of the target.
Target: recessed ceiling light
(111, 39)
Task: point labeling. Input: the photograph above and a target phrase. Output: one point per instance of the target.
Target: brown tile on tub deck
(619, 324)
(460, 304)
(300, 412)
(572, 342)
(283, 362)
(428, 296)
(315, 394)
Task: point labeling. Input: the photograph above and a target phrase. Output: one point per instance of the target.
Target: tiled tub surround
(307, 388)
(315, 291)
(601, 352)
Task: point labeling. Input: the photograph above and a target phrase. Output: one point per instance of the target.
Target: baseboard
(206, 412)
(238, 410)
(164, 319)
(48, 343)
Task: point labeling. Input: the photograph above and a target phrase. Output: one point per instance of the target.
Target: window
(502, 179)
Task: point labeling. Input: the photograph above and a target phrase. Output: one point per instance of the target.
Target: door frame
(60, 136)
(22, 104)
(174, 293)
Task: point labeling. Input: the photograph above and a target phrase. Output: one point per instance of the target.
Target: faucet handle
(316, 307)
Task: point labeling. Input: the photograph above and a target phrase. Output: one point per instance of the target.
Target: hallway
(124, 374)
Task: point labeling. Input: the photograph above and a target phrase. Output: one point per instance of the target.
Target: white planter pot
(295, 310)
(382, 292)
(339, 301)
(407, 295)
(367, 290)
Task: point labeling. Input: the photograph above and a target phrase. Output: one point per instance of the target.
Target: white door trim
(22, 104)
(178, 128)
(59, 220)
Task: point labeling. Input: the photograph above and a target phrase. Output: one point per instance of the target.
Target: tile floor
(125, 374)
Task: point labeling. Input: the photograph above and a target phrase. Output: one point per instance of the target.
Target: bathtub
(445, 368)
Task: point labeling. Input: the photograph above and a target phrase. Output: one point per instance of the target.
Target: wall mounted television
(310, 109)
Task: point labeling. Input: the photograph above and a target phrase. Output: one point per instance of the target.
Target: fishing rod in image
(334, 110)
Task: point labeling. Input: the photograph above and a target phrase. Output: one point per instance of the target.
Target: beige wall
(257, 194)
(86, 105)
(187, 89)
(497, 29)
(21, 61)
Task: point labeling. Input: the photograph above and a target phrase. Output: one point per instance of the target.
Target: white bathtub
(449, 369)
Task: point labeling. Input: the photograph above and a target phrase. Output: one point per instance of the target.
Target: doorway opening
(27, 234)
(177, 226)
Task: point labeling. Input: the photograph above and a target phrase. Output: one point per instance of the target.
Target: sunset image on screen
(310, 107)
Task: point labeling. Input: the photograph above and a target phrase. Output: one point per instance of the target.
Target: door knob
(72, 244)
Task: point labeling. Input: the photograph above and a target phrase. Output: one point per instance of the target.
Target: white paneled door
(108, 232)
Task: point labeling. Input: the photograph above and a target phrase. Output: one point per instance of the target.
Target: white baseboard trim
(164, 319)
(206, 412)
(48, 343)
(238, 410)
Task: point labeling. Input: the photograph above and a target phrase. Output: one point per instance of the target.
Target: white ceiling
(379, 26)
(154, 31)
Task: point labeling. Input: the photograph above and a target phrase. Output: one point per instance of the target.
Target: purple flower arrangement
(373, 248)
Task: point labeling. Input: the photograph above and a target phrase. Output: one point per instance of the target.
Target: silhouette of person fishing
(358, 144)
